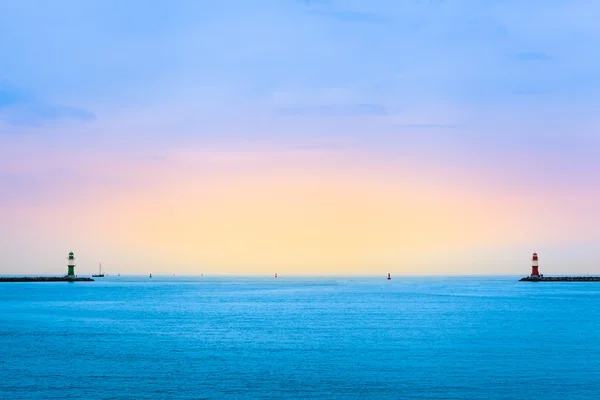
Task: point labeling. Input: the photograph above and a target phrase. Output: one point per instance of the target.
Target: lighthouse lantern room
(71, 265)
(534, 266)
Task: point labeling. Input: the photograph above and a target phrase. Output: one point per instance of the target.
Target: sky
(319, 137)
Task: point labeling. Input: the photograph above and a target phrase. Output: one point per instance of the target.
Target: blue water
(300, 338)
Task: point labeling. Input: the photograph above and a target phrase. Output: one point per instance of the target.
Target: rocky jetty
(561, 279)
(45, 279)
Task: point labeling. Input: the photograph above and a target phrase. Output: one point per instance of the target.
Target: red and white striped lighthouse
(534, 265)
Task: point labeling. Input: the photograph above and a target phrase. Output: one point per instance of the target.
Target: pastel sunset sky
(300, 137)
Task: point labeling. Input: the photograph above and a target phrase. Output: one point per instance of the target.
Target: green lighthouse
(71, 265)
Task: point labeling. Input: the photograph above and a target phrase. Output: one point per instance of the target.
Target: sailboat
(100, 274)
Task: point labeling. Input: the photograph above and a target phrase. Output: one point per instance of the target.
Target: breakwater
(561, 279)
(45, 279)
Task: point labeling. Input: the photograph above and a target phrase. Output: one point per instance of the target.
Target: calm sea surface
(300, 338)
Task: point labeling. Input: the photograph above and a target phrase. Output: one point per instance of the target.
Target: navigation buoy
(389, 276)
(150, 275)
(275, 274)
(534, 265)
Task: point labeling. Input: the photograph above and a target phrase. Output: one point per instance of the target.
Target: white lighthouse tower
(71, 266)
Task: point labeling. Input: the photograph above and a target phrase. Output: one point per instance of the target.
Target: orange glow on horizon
(295, 212)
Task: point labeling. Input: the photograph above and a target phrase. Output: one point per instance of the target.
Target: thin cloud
(309, 2)
(527, 92)
(310, 147)
(335, 110)
(350, 16)
(532, 56)
(18, 107)
(427, 126)
(155, 158)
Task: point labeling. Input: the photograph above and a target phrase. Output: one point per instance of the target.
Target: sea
(170, 337)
